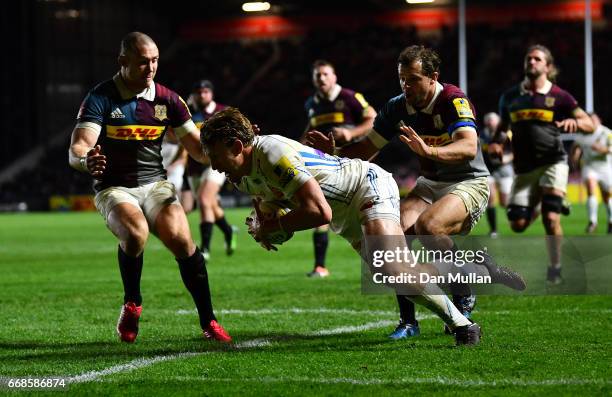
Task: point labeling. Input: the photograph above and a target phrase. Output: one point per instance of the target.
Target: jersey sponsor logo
(161, 112)
(440, 140)
(134, 132)
(327, 118)
(549, 101)
(285, 171)
(532, 114)
(117, 114)
(462, 106)
(361, 100)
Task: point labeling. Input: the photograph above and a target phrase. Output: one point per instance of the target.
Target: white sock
(609, 208)
(592, 208)
(442, 306)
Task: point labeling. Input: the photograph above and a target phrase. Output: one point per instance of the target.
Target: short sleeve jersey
(132, 131)
(195, 168)
(347, 108)
(536, 139)
(281, 166)
(449, 111)
(601, 136)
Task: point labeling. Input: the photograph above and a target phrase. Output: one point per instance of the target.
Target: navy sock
(206, 233)
(226, 228)
(458, 290)
(321, 241)
(195, 278)
(406, 309)
(492, 219)
(131, 270)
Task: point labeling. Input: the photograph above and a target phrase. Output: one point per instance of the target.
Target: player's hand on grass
(568, 125)
(320, 141)
(96, 162)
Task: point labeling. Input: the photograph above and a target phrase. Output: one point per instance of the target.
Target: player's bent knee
(519, 226)
(517, 213)
(551, 203)
(134, 241)
(428, 226)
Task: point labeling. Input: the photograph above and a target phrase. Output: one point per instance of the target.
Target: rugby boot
(127, 325)
(214, 331)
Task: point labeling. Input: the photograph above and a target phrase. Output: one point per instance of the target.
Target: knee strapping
(552, 203)
(518, 212)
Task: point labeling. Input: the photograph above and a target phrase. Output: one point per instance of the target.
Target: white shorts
(474, 193)
(209, 174)
(175, 176)
(149, 198)
(601, 172)
(527, 187)
(376, 198)
(503, 178)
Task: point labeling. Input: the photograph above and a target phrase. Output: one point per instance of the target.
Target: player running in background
(174, 158)
(117, 140)
(502, 174)
(205, 182)
(538, 111)
(438, 122)
(596, 152)
(356, 197)
(344, 113)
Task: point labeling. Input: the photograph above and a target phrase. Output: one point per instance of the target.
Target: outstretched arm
(82, 155)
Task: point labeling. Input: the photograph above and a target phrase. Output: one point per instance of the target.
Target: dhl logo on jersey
(532, 114)
(134, 132)
(328, 118)
(440, 140)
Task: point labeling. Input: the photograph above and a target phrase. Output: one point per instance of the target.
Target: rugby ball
(270, 210)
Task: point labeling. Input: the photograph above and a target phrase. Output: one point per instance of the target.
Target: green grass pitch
(60, 294)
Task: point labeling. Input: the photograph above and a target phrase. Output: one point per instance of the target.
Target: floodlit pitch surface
(60, 295)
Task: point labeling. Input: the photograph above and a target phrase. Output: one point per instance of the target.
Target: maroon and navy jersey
(345, 110)
(132, 131)
(449, 110)
(536, 139)
(195, 168)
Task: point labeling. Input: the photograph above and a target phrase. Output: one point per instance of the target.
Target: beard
(532, 73)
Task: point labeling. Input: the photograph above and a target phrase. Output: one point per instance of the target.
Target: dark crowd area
(269, 80)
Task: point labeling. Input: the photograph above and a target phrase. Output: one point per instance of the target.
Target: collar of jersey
(148, 93)
(210, 108)
(332, 97)
(429, 108)
(544, 90)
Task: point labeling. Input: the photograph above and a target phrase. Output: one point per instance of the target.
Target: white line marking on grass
(293, 310)
(407, 381)
(325, 310)
(252, 343)
(145, 362)
(127, 367)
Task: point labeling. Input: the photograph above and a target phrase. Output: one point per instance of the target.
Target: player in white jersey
(173, 160)
(355, 197)
(596, 151)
